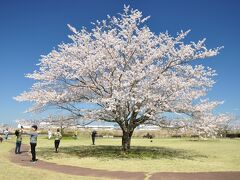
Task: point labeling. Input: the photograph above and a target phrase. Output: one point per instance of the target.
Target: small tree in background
(209, 125)
(60, 121)
(132, 75)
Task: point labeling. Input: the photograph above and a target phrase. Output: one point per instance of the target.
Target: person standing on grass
(18, 133)
(33, 142)
(49, 134)
(94, 134)
(58, 137)
(1, 139)
(6, 133)
(75, 135)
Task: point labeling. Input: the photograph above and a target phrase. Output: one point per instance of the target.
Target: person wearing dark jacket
(1, 139)
(94, 134)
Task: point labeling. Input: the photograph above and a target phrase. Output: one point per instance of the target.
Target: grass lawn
(166, 155)
(12, 171)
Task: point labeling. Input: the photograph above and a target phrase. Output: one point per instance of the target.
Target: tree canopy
(130, 73)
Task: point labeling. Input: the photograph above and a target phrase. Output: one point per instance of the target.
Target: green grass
(168, 155)
(161, 155)
(12, 171)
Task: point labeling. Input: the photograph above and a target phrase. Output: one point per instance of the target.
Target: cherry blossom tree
(130, 73)
(209, 125)
(233, 125)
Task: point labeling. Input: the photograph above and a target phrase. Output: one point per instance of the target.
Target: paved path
(196, 176)
(24, 160)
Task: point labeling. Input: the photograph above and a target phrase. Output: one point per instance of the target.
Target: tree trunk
(126, 140)
(62, 130)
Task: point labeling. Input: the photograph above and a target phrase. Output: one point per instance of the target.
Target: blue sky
(30, 28)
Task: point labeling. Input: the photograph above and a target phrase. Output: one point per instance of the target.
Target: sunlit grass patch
(166, 154)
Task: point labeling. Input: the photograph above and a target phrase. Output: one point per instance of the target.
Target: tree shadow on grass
(114, 152)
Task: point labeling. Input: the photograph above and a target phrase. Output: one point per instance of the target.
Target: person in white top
(6, 133)
(49, 134)
(58, 137)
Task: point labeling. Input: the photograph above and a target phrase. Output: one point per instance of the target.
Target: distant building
(106, 127)
(148, 127)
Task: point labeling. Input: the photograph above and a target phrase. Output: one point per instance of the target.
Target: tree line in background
(68, 126)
